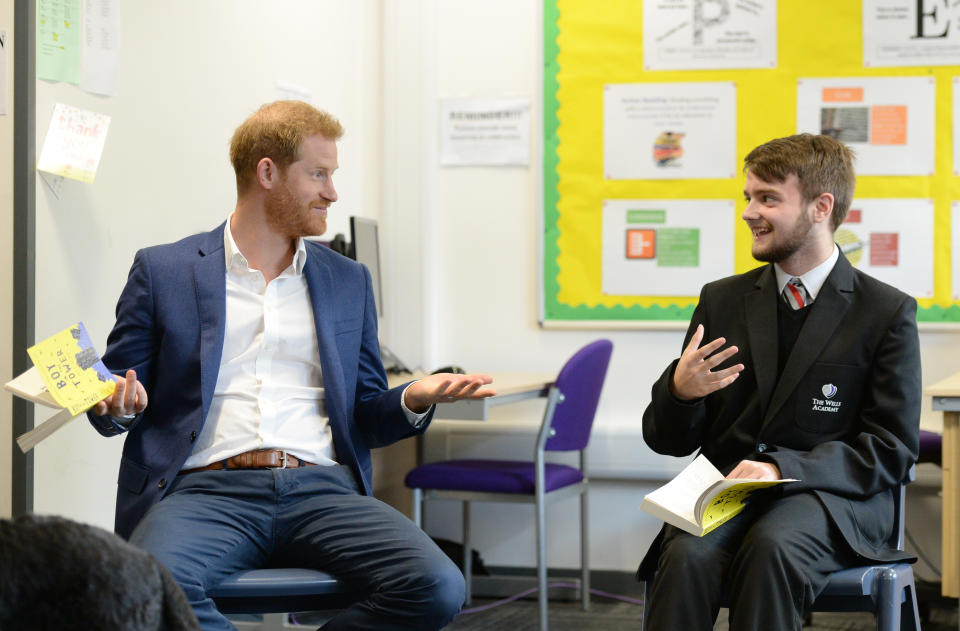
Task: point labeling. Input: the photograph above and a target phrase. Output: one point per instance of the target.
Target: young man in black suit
(813, 373)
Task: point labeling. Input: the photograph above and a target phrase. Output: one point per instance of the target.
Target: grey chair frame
(275, 593)
(540, 498)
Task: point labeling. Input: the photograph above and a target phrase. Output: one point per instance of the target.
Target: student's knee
(683, 552)
(766, 553)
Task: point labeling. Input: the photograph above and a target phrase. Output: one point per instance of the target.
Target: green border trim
(936, 313)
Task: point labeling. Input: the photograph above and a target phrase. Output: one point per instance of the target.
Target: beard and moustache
(797, 237)
(291, 217)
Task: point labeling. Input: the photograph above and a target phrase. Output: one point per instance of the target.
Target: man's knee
(442, 592)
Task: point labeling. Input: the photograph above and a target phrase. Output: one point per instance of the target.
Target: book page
(29, 385)
(681, 494)
(726, 499)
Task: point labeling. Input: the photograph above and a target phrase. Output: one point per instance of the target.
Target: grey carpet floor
(610, 615)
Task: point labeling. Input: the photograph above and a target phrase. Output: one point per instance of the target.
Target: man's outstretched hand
(694, 376)
(129, 397)
(446, 388)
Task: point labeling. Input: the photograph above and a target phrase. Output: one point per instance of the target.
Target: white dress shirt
(814, 279)
(269, 392)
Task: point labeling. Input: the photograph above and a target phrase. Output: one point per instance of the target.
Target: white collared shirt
(269, 392)
(814, 279)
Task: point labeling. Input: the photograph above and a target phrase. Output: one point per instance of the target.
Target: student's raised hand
(445, 388)
(753, 470)
(694, 376)
(129, 397)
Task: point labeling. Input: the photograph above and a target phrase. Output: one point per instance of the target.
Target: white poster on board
(887, 121)
(662, 131)
(892, 240)
(666, 247)
(709, 34)
(911, 33)
(100, 47)
(484, 132)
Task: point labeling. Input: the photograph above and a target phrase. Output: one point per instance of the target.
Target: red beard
(290, 217)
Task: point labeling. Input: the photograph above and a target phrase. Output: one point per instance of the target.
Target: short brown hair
(821, 164)
(276, 131)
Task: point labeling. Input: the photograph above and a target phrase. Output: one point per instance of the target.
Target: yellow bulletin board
(587, 45)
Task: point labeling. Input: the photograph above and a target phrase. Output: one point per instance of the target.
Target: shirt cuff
(123, 421)
(416, 420)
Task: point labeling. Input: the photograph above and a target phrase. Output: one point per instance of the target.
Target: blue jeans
(214, 523)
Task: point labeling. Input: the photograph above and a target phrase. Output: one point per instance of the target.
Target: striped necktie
(795, 294)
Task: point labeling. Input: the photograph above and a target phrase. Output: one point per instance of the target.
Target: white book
(30, 386)
(700, 499)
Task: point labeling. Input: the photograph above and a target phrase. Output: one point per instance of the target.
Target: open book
(67, 375)
(699, 499)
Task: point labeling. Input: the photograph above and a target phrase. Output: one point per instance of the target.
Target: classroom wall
(6, 259)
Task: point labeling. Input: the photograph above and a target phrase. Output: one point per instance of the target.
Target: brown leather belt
(257, 459)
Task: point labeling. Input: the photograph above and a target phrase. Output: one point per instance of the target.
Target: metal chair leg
(418, 507)
(647, 589)
(467, 554)
(584, 552)
(542, 556)
(888, 605)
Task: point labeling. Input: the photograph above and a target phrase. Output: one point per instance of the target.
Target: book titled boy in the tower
(699, 499)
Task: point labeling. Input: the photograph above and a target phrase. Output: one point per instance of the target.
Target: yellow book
(71, 369)
(700, 499)
(68, 374)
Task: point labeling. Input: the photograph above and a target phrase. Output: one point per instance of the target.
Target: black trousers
(767, 564)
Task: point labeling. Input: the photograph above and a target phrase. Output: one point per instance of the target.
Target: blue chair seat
(490, 476)
(281, 590)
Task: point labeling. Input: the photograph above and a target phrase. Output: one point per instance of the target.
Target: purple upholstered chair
(571, 407)
(930, 445)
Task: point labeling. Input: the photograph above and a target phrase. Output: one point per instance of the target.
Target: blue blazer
(170, 327)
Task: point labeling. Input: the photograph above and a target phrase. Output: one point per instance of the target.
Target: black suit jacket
(843, 417)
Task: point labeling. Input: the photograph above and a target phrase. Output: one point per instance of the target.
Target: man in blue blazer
(812, 373)
(259, 351)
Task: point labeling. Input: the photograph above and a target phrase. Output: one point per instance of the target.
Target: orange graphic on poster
(842, 95)
(641, 243)
(888, 125)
